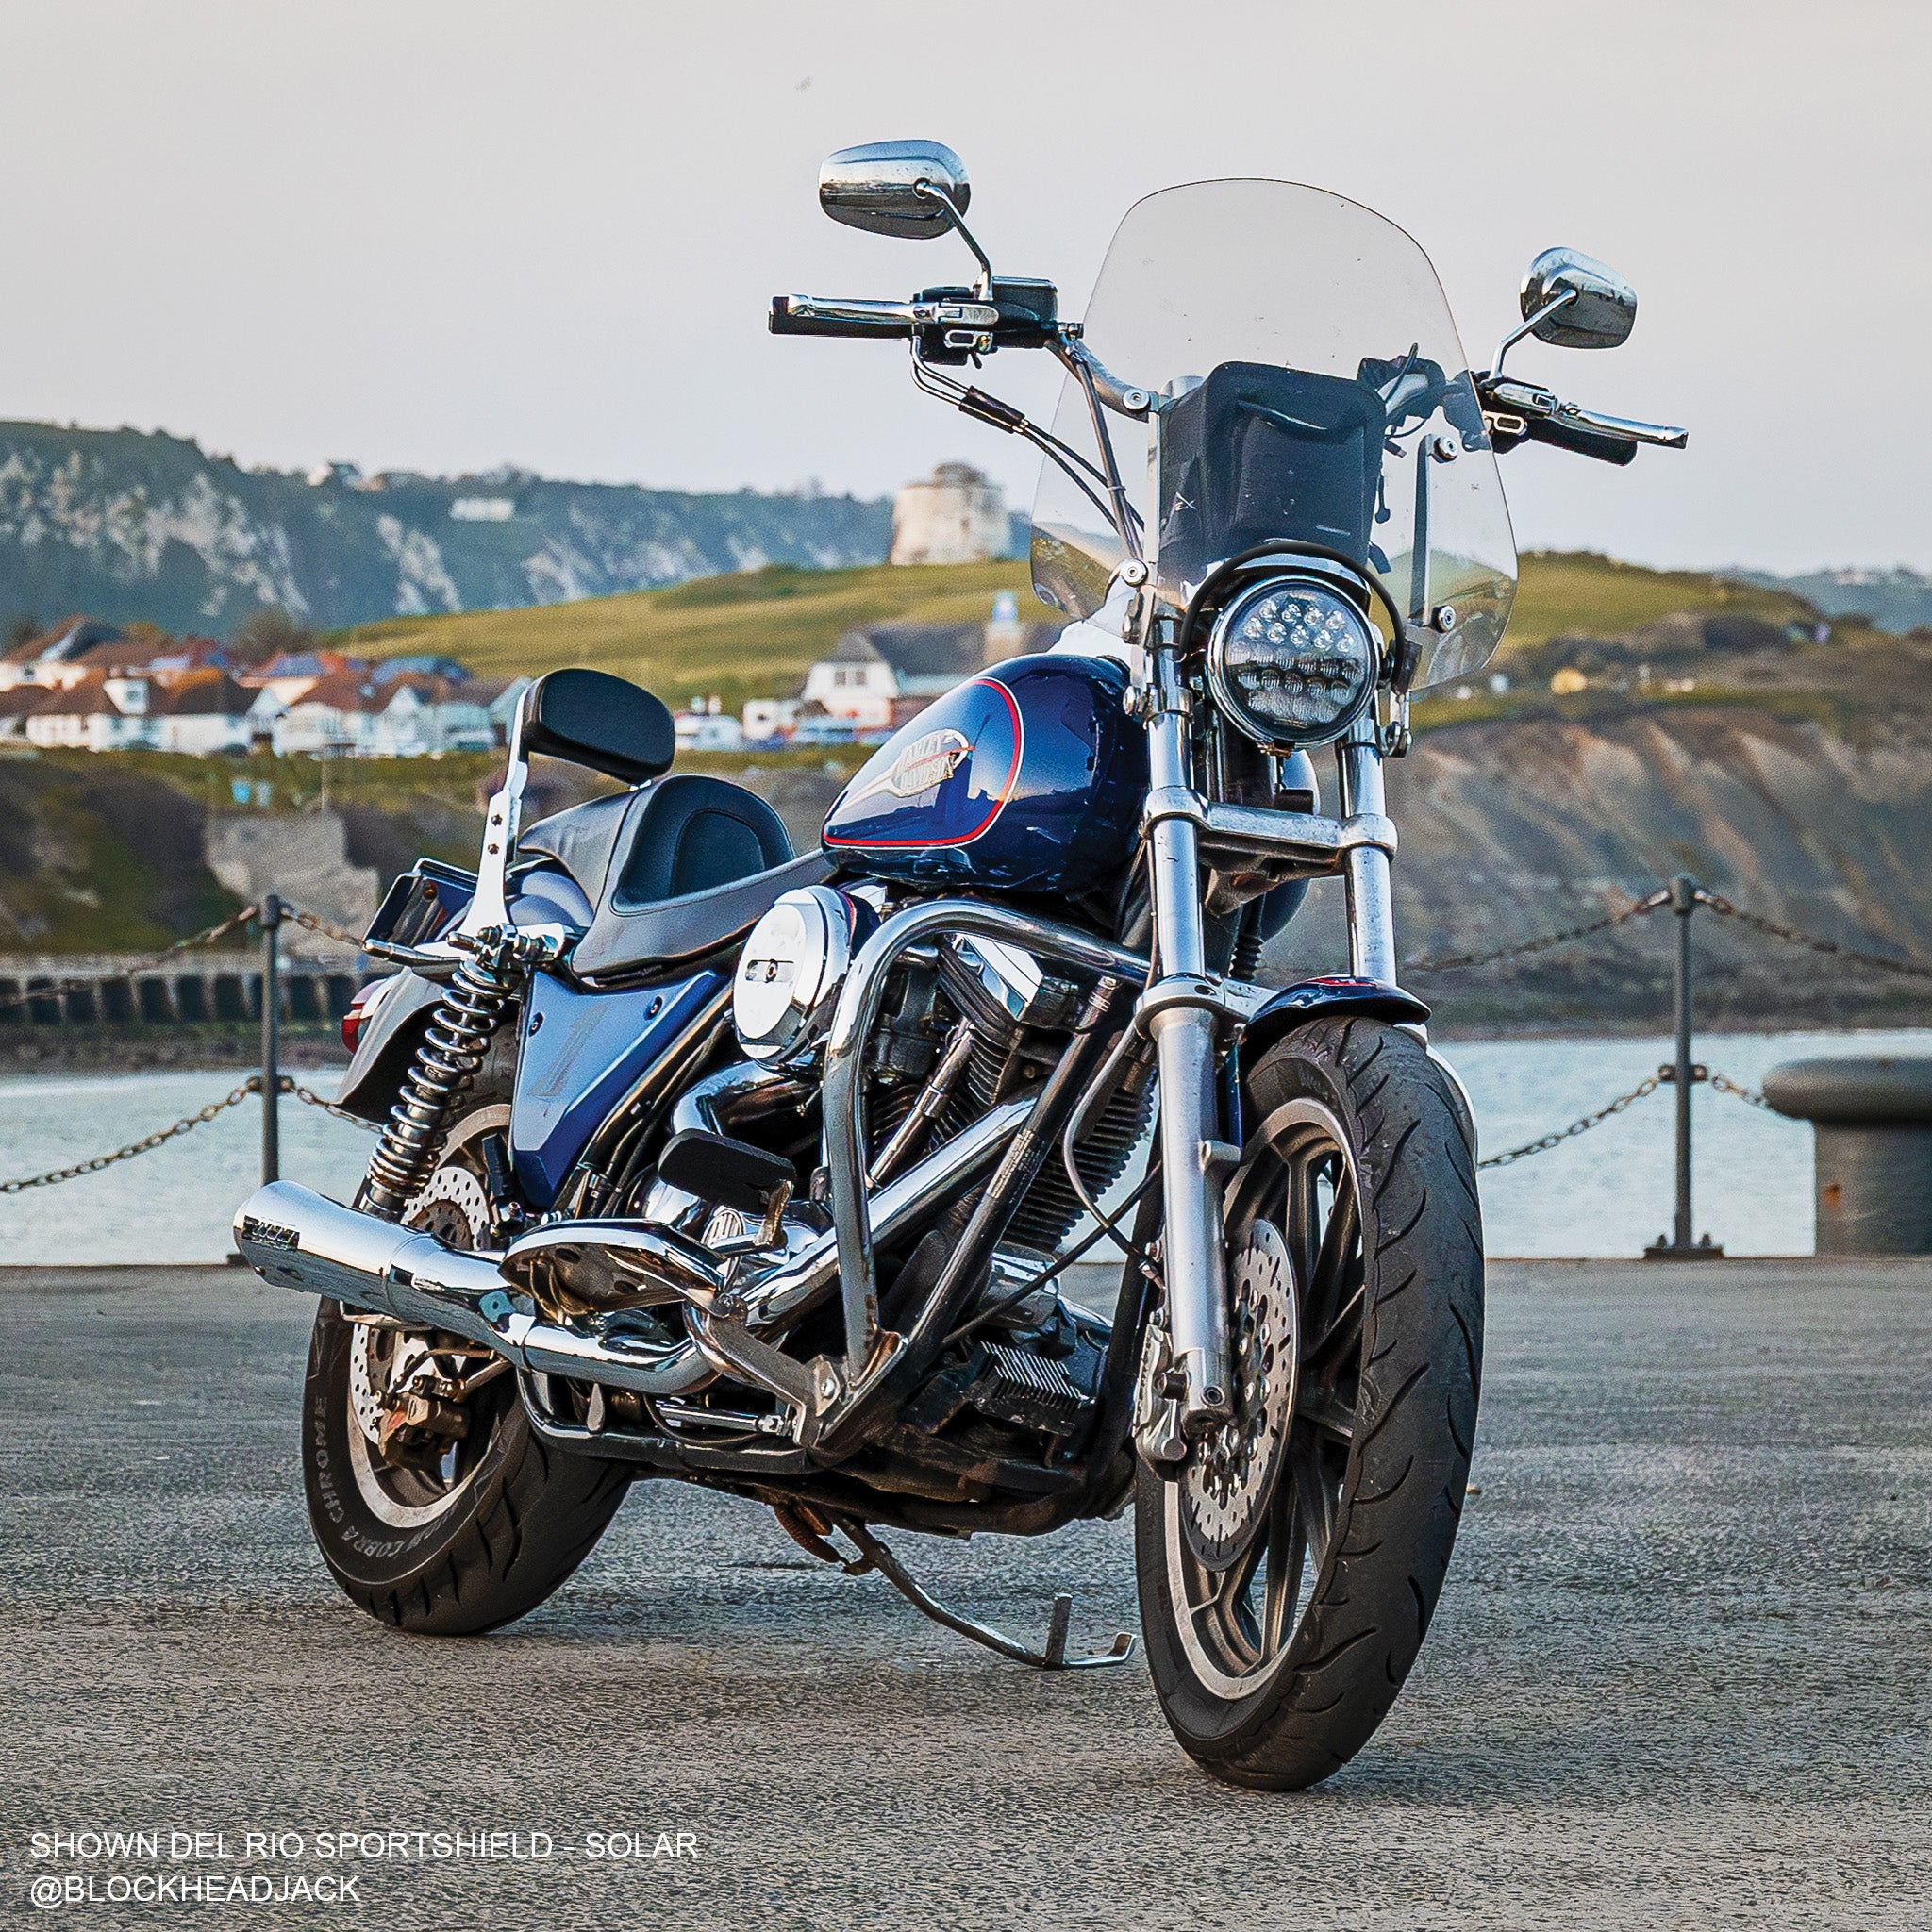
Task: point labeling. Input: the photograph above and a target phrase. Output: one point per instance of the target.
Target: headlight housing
(1292, 662)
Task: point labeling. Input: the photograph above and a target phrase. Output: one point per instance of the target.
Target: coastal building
(879, 676)
(957, 515)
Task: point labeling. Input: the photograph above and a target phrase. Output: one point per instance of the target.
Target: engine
(976, 1023)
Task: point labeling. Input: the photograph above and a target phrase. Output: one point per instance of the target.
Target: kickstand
(874, 1555)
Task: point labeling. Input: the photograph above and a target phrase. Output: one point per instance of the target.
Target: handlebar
(1582, 442)
(1522, 412)
(823, 315)
(949, 325)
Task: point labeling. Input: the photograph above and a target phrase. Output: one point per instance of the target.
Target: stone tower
(957, 516)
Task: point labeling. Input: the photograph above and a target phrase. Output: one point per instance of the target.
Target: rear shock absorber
(458, 1037)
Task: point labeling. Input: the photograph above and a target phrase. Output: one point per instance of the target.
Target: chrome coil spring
(458, 1037)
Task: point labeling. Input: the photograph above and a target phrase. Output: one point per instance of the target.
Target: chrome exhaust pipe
(296, 1238)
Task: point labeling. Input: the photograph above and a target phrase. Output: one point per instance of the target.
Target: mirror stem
(931, 191)
(1542, 314)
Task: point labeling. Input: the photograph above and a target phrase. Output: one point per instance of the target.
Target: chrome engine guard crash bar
(853, 1021)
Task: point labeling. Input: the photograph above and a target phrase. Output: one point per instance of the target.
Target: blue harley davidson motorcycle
(703, 1160)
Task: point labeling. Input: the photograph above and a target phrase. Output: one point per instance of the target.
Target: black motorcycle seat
(682, 868)
(578, 840)
(622, 945)
(678, 836)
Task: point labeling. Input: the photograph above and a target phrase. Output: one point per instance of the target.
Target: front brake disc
(1232, 1474)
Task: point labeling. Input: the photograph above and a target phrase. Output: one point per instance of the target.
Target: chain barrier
(1641, 1090)
(1542, 943)
(208, 936)
(149, 1143)
(311, 922)
(308, 1098)
(1749, 1095)
(1791, 937)
(249, 1088)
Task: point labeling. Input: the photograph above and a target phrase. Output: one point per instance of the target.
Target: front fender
(1333, 997)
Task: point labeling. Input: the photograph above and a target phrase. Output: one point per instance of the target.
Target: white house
(855, 682)
(84, 718)
(767, 720)
(878, 677)
(198, 715)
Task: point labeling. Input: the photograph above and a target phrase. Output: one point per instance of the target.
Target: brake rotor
(452, 1206)
(374, 1385)
(1232, 1474)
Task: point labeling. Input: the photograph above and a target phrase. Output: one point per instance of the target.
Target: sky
(446, 235)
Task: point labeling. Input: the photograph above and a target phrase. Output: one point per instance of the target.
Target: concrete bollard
(1873, 1119)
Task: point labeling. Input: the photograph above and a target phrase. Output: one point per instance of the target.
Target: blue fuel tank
(1028, 778)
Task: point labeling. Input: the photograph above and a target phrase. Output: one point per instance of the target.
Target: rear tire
(1274, 1665)
(520, 1521)
(448, 1537)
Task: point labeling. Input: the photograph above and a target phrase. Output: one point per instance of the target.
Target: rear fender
(389, 1043)
(387, 1046)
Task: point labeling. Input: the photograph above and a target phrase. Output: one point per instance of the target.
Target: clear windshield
(1314, 388)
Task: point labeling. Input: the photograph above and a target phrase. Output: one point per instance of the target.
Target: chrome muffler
(296, 1238)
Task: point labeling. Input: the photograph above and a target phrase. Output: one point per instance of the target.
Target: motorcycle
(703, 1160)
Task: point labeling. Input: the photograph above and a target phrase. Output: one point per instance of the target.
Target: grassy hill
(752, 634)
(748, 634)
(1580, 590)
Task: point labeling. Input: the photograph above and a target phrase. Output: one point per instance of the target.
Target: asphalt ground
(1679, 1676)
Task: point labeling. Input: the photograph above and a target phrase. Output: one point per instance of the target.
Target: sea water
(1608, 1191)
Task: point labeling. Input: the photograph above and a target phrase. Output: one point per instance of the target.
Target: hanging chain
(1913, 969)
(311, 922)
(1641, 1090)
(1543, 943)
(209, 936)
(186, 1126)
(1749, 1095)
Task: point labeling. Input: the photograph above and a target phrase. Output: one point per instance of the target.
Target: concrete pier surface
(1681, 1674)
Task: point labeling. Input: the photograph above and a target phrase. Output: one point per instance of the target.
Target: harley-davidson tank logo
(929, 760)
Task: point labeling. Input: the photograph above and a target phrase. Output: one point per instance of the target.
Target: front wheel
(1289, 1570)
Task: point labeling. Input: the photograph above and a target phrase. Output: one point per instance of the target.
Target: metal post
(1683, 1073)
(270, 1043)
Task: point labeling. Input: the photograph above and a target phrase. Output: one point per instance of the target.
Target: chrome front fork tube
(1194, 1160)
(1371, 903)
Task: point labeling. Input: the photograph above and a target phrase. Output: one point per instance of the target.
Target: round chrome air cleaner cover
(789, 972)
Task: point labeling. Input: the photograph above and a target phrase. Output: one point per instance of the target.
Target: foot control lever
(809, 1533)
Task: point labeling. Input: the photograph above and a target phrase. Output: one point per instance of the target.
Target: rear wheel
(1288, 1572)
(433, 1505)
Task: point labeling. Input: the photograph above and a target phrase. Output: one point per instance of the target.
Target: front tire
(1289, 1574)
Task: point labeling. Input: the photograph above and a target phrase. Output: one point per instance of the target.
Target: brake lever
(1509, 407)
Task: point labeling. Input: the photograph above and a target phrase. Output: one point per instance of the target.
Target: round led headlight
(1292, 662)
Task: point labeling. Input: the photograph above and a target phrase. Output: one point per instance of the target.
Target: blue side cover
(581, 1050)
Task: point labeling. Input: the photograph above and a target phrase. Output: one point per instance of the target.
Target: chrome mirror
(1576, 303)
(1571, 301)
(917, 188)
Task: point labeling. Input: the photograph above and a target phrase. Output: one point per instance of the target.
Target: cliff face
(124, 525)
(1527, 825)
